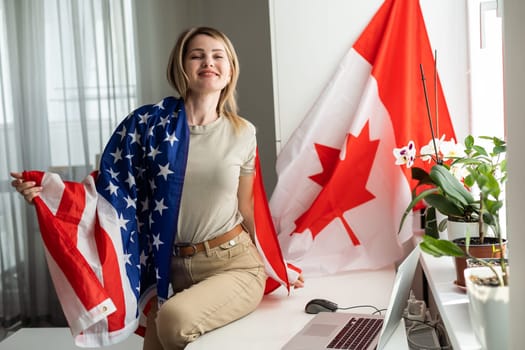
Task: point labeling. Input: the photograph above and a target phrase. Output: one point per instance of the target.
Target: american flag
(109, 239)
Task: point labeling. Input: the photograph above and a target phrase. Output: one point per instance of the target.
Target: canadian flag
(340, 197)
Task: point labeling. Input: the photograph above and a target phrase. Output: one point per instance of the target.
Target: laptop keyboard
(357, 334)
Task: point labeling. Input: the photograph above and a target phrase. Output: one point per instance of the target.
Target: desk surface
(280, 316)
(275, 321)
(452, 302)
(57, 339)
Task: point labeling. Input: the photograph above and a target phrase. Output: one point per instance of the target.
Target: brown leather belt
(187, 250)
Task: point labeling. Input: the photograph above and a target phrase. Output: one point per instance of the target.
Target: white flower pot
(456, 229)
(488, 309)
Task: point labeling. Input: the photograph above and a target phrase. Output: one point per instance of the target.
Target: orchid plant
(447, 193)
(466, 184)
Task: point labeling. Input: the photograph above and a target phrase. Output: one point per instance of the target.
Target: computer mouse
(315, 306)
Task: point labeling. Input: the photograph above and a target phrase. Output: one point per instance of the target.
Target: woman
(216, 272)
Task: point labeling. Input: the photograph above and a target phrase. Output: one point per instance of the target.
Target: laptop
(340, 330)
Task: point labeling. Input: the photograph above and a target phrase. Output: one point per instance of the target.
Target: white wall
(310, 37)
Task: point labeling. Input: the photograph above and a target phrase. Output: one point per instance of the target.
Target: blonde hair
(178, 78)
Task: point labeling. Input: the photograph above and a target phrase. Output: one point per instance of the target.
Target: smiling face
(183, 69)
(207, 65)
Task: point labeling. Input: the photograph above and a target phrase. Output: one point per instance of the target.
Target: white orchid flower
(428, 151)
(452, 150)
(406, 155)
(459, 172)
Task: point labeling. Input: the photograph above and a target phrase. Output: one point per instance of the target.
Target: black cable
(361, 306)
(380, 310)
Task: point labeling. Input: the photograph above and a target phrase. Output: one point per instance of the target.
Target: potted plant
(487, 173)
(442, 190)
(466, 184)
(474, 193)
(484, 179)
(488, 305)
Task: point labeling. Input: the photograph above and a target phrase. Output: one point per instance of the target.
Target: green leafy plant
(487, 168)
(469, 188)
(442, 190)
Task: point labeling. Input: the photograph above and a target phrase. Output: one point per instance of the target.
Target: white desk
(57, 339)
(275, 321)
(451, 302)
(280, 316)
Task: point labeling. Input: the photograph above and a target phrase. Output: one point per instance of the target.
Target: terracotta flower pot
(490, 249)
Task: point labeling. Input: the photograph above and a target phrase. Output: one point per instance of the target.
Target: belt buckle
(185, 245)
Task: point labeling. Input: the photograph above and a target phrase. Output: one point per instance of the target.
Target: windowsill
(451, 302)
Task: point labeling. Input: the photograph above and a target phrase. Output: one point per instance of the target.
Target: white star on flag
(164, 171)
(112, 188)
(122, 132)
(117, 155)
(112, 173)
(135, 137)
(171, 138)
(156, 241)
(130, 202)
(127, 259)
(164, 121)
(122, 221)
(154, 151)
(159, 206)
(160, 104)
(144, 118)
(130, 180)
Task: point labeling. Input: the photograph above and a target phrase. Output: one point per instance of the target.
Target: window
(486, 78)
(67, 77)
(91, 79)
(486, 63)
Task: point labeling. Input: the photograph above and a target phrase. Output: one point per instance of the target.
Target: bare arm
(245, 197)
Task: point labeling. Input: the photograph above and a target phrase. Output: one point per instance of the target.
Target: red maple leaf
(344, 183)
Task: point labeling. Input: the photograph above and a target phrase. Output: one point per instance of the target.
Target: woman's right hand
(28, 189)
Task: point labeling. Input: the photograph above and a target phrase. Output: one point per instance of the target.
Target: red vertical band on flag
(396, 43)
(266, 235)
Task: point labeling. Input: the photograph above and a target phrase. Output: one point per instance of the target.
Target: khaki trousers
(212, 288)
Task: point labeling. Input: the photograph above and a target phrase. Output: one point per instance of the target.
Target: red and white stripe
(84, 253)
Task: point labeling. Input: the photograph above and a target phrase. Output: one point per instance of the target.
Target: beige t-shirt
(217, 157)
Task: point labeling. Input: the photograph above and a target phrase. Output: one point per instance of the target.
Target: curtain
(67, 77)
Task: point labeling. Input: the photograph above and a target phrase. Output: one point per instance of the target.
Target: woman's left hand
(299, 283)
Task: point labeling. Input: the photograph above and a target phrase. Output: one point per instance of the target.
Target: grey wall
(158, 23)
(247, 25)
(514, 76)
